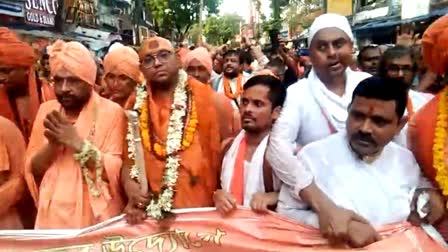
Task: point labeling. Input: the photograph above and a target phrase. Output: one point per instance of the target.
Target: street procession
(223, 125)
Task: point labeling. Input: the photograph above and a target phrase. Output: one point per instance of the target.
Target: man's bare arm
(317, 199)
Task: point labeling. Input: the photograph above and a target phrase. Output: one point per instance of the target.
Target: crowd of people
(344, 145)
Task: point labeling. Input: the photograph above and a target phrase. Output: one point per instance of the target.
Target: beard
(72, 102)
(232, 74)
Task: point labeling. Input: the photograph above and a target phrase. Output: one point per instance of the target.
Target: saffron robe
(421, 140)
(12, 184)
(200, 163)
(62, 198)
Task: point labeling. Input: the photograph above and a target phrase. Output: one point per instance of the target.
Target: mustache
(65, 96)
(248, 116)
(365, 137)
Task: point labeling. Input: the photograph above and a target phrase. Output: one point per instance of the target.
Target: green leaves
(176, 17)
(219, 30)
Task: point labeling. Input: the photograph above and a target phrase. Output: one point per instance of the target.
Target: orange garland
(228, 89)
(439, 146)
(159, 148)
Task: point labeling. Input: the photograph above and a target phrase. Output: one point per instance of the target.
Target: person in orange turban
(428, 133)
(198, 63)
(75, 147)
(19, 96)
(170, 103)
(121, 75)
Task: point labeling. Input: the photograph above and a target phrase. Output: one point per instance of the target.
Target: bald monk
(19, 96)
(181, 123)
(12, 184)
(121, 75)
(427, 134)
(73, 159)
(198, 64)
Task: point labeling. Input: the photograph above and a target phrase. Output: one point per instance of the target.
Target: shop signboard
(41, 12)
(342, 7)
(370, 14)
(11, 8)
(411, 8)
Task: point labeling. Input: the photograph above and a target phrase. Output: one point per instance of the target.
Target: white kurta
(219, 85)
(308, 108)
(214, 76)
(253, 170)
(418, 101)
(381, 191)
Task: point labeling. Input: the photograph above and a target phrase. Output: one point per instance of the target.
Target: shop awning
(395, 21)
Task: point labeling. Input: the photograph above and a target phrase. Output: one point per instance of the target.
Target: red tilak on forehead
(153, 44)
(370, 112)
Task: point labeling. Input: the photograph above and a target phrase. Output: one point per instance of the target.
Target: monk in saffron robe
(12, 184)
(121, 75)
(198, 63)
(428, 128)
(19, 96)
(73, 159)
(181, 123)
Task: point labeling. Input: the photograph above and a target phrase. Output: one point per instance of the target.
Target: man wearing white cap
(315, 108)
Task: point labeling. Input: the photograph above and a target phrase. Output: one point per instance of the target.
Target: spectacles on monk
(150, 60)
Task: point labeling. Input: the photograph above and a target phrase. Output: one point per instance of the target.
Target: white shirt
(301, 122)
(418, 101)
(214, 76)
(233, 86)
(381, 191)
(253, 170)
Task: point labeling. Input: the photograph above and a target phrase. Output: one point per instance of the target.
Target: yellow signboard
(342, 7)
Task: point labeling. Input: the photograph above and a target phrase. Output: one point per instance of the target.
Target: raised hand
(406, 35)
(59, 130)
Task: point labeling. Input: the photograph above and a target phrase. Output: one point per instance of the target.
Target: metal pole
(201, 7)
(137, 16)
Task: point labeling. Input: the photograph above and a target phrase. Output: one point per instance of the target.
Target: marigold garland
(228, 89)
(440, 138)
(158, 148)
(162, 203)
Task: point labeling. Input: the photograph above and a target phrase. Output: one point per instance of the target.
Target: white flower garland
(164, 203)
(87, 152)
(130, 137)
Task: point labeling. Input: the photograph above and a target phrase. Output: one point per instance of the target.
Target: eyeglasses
(150, 60)
(405, 69)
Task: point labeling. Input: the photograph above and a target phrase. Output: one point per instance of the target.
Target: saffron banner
(204, 230)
